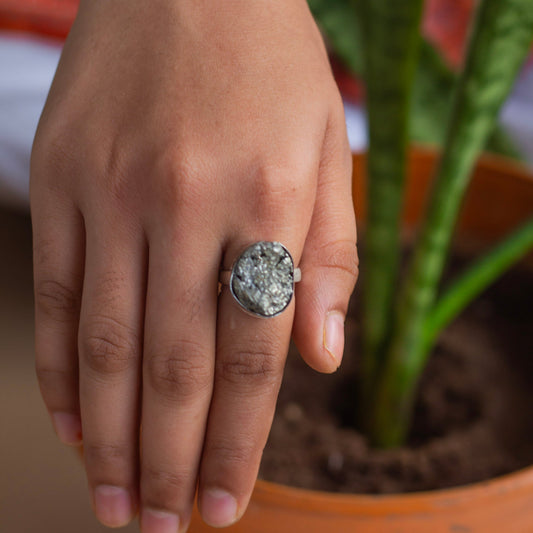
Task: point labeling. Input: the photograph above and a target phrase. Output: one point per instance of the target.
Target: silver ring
(262, 279)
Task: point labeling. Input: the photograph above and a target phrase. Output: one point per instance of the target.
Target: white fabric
(517, 114)
(27, 66)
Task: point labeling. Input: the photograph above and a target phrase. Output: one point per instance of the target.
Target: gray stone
(263, 278)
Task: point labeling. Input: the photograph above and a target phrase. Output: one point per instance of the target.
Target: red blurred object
(349, 86)
(43, 17)
(446, 24)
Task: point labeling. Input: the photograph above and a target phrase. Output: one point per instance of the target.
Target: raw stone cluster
(263, 278)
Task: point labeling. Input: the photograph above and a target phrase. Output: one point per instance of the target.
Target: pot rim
(490, 160)
(495, 487)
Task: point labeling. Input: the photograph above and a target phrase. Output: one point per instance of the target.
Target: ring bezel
(233, 274)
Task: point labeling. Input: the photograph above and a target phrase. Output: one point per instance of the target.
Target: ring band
(262, 279)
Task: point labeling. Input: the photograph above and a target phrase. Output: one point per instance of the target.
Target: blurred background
(42, 484)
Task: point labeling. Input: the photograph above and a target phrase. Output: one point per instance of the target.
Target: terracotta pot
(500, 197)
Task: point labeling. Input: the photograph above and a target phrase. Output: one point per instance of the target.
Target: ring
(262, 279)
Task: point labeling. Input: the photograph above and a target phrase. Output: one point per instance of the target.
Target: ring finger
(251, 354)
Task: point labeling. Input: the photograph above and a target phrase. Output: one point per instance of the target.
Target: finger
(110, 345)
(58, 245)
(329, 263)
(178, 373)
(250, 363)
(251, 354)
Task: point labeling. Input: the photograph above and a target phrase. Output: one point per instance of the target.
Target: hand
(175, 134)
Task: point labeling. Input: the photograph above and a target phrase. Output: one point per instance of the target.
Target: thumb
(329, 261)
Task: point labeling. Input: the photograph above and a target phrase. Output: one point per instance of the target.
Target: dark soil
(473, 420)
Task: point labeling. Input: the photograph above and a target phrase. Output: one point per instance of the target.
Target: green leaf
(475, 280)
(499, 44)
(391, 35)
(340, 20)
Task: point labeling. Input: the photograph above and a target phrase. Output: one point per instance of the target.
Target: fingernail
(218, 508)
(334, 335)
(112, 505)
(153, 521)
(68, 428)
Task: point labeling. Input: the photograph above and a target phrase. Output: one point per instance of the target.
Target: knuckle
(162, 486)
(276, 190)
(340, 255)
(106, 457)
(44, 253)
(109, 291)
(116, 174)
(232, 456)
(180, 371)
(51, 378)
(256, 364)
(344, 155)
(56, 299)
(166, 480)
(57, 386)
(53, 152)
(109, 347)
(183, 180)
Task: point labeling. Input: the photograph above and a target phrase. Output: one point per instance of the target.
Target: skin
(175, 134)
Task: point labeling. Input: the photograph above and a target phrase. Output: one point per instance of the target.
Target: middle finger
(178, 374)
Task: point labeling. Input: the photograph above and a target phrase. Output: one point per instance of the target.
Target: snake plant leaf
(500, 41)
(475, 280)
(340, 20)
(391, 35)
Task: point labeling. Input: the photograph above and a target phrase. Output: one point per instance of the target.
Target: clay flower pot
(500, 197)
